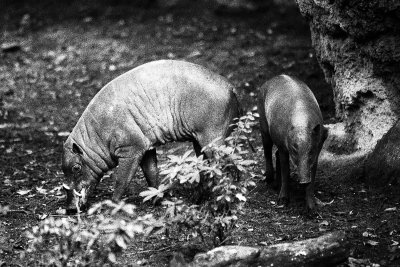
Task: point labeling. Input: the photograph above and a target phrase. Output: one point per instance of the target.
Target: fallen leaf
(59, 59)
(372, 243)
(42, 216)
(391, 209)
(324, 223)
(23, 192)
(323, 204)
(41, 190)
(195, 53)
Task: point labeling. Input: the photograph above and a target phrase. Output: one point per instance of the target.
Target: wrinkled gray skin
(155, 103)
(291, 119)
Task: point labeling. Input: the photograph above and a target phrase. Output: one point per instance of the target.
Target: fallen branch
(327, 250)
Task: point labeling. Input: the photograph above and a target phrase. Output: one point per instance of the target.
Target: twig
(15, 140)
(253, 189)
(154, 250)
(63, 215)
(225, 240)
(18, 211)
(251, 145)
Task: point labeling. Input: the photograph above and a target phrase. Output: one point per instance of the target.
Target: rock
(357, 43)
(383, 165)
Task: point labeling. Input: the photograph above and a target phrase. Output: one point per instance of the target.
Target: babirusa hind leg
(283, 197)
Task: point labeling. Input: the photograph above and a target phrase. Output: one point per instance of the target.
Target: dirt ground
(67, 50)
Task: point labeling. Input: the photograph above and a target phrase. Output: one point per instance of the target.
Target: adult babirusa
(291, 119)
(155, 103)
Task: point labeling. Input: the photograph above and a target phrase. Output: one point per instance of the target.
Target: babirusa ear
(76, 149)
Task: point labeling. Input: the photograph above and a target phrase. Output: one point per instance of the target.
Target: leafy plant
(220, 181)
(96, 241)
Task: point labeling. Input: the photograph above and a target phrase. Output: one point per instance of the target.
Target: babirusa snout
(304, 171)
(76, 201)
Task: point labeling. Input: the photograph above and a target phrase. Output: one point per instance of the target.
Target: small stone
(88, 19)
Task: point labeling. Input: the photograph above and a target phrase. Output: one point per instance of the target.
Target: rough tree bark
(358, 47)
(327, 250)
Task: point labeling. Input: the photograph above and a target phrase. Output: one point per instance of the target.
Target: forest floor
(56, 55)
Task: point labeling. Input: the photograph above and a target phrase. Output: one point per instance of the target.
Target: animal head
(80, 178)
(304, 146)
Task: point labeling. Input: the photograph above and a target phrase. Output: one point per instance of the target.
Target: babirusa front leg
(310, 198)
(123, 175)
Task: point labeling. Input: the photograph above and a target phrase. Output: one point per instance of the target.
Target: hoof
(311, 204)
(283, 201)
(268, 179)
(310, 213)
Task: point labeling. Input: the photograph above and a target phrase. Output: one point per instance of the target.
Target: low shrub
(97, 240)
(221, 182)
